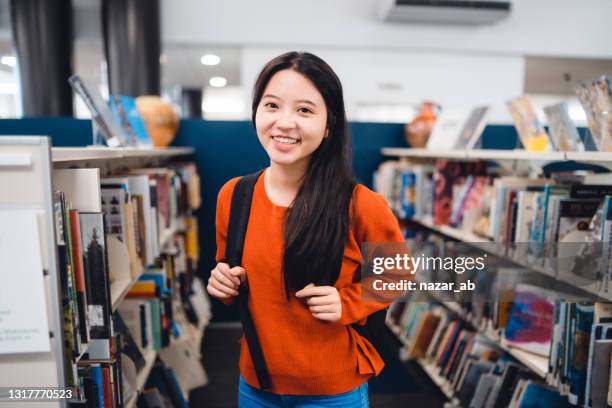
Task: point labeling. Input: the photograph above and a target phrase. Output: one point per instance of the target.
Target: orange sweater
(305, 355)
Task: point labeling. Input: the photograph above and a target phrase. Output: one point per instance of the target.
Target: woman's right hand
(224, 281)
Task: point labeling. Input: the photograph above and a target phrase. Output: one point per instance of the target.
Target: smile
(285, 140)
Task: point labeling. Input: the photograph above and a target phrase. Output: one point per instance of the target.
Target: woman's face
(291, 118)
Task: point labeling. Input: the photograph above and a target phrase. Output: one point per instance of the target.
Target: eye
(304, 110)
(271, 105)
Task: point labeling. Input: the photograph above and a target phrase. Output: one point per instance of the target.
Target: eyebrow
(299, 101)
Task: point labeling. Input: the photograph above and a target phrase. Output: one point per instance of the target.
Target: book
(580, 344)
(424, 333)
(107, 126)
(571, 218)
(598, 365)
(563, 134)
(127, 115)
(530, 130)
(79, 273)
(596, 99)
(182, 359)
(139, 188)
(471, 379)
(127, 345)
(530, 322)
(483, 390)
(606, 239)
(538, 395)
(473, 128)
(448, 129)
(96, 274)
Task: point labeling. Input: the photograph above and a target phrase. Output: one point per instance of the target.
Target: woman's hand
(323, 302)
(224, 281)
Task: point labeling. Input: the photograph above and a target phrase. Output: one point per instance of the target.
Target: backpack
(240, 209)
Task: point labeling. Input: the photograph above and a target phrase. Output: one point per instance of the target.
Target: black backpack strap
(238, 221)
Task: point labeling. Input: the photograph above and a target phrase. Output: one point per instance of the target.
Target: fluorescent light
(210, 59)
(8, 60)
(217, 82)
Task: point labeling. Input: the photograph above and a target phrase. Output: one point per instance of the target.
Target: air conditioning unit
(461, 12)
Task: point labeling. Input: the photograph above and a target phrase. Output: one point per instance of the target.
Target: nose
(285, 120)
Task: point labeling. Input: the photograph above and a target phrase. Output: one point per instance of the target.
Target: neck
(287, 177)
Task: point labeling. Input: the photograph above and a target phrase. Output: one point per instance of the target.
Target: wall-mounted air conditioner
(464, 12)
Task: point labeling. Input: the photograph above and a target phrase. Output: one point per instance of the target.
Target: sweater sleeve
(224, 200)
(375, 223)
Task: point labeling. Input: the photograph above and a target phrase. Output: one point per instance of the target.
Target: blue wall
(227, 149)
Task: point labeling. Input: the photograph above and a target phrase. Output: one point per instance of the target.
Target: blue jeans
(251, 397)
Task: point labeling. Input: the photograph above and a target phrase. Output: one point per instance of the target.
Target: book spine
(77, 261)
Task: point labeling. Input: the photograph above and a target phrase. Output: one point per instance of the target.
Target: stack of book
(128, 250)
(472, 368)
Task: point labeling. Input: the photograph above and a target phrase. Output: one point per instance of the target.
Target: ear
(326, 133)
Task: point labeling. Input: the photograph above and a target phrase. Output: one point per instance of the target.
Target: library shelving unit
(32, 340)
(517, 159)
(534, 159)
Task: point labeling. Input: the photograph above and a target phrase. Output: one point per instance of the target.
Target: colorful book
(127, 115)
(530, 322)
(529, 128)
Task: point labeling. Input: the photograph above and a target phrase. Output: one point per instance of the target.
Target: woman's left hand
(323, 302)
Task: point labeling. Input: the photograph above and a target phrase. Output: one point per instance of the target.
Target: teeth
(287, 140)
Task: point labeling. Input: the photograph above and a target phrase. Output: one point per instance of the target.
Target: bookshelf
(603, 159)
(27, 168)
(409, 184)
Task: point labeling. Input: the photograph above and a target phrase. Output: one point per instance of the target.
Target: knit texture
(306, 356)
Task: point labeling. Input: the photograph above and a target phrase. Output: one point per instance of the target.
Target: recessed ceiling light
(210, 59)
(217, 82)
(8, 60)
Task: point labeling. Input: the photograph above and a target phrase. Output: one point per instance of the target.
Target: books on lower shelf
(474, 368)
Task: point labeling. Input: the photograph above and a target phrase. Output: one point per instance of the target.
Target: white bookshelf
(521, 156)
(475, 154)
(80, 154)
(27, 164)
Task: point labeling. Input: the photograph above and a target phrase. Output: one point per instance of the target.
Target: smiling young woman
(302, 301)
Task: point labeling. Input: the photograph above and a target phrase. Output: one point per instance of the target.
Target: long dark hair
(317, 222)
